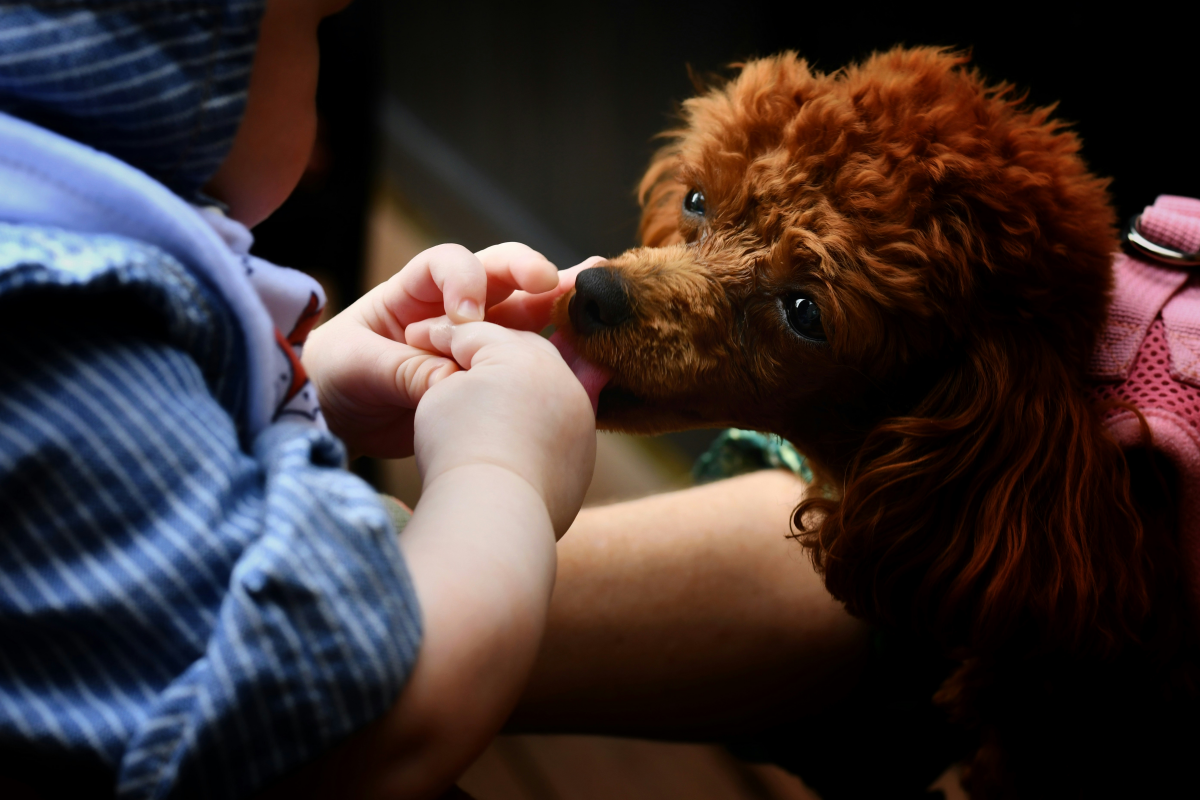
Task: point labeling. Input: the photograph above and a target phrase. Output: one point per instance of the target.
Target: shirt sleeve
(198, 618)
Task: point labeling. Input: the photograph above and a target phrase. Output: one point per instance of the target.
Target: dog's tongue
(592, 377)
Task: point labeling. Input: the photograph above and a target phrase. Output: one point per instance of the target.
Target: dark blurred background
(533, 121)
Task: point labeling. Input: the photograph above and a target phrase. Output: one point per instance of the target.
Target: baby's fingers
(420, 334)
(448, 276)
(439, 335)
(369, 371)
(512, 266)
(531, 312)
(464, 342)
(417, 374)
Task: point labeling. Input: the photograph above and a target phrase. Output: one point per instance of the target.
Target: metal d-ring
(1147, 248)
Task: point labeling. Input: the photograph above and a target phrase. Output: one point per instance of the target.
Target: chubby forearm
(689, 614)
(684, 615)
(480, 548)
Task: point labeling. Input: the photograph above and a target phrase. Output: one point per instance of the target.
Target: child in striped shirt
(196, 598)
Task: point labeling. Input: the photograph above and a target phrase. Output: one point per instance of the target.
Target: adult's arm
(685, 615)
(690, 615)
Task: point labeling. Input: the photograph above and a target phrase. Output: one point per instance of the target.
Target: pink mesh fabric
(1181, 324)
(1139, 292)
(1150, 385)
(1172, 410)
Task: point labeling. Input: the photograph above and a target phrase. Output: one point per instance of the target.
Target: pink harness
(1149, 355)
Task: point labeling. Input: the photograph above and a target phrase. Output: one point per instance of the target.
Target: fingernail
(468, 309)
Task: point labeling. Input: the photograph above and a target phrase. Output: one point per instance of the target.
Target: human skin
(690, 615)
(687, 615)
(502, 479)
(364, 361)
(504, 438)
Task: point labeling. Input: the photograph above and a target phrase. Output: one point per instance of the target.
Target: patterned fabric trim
(736, 452)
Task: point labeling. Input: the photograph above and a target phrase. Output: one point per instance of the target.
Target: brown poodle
(903, 270)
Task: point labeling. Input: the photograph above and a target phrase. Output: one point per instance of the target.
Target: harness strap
(1142, 290)
(1128, 363)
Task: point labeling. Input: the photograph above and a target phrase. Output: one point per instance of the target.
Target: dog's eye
(805, 317)
(693, 202)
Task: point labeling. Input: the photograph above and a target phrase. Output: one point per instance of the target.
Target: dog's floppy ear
(661, 197)
(998, 507)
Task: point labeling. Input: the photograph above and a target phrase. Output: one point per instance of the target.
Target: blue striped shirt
(181, 612)
(193, 600)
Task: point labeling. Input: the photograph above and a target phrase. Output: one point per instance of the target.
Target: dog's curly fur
(960, 254)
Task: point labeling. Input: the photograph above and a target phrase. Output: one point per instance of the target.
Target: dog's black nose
(601, 301)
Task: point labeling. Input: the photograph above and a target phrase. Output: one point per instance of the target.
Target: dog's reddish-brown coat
(960, 253)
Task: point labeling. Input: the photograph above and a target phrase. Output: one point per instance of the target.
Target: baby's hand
(516, 406)
(370, 378)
